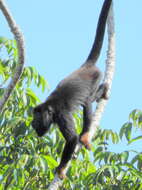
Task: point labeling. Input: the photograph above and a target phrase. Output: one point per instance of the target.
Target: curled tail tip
(97, 46)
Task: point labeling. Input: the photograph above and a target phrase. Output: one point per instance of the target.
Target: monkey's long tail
(97, 46)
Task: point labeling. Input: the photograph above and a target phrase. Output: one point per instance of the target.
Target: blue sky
(59, 36)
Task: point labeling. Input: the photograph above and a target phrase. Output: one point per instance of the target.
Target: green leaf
(32, 96)
(42, 82)
(20, 130)
(133, 115)
(98, 150)
(51, 176)
(126, 130)
(135, 159)
(24, 160)
(135, 139)
(3, 40)
(15, 174)
(140, 120)
(51, 162)
(124, 156)
(24, 98)
(43, 163)
(29, 76)
(115, 138)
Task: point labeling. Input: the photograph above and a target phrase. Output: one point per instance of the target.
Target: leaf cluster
(28, 162)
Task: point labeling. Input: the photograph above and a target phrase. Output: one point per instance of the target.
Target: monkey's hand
(102, 92)
(61, 172)
(85, 140)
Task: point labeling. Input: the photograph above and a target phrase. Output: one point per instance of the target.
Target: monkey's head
(42, 118)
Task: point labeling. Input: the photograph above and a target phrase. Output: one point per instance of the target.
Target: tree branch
(109, 72)
(21, 52)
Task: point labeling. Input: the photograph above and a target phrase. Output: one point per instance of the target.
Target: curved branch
(21, 52)
(109, 72)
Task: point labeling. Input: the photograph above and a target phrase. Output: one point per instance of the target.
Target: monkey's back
(74, 90)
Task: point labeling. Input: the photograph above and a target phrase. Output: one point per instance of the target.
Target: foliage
(28, 162)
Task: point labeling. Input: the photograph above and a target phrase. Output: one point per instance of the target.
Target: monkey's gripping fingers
(61, 171)
(85, 140)
(102, 92)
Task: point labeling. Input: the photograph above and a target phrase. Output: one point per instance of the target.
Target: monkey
(80, 88)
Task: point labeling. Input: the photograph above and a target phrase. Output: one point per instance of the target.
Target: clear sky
(59, 36)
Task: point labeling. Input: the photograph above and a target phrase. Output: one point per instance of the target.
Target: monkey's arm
(87, 114)
(87, 118)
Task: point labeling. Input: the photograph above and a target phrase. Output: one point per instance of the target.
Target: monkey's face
(42, 119)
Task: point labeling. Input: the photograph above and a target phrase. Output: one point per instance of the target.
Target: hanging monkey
(78, 89)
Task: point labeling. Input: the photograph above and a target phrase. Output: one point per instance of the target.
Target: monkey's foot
(85, 140)
(102, 92)
(105, 95)
(61, 172)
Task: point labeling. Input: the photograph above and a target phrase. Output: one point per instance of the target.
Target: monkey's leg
(66, 126)
(67, 156)
(87, 118)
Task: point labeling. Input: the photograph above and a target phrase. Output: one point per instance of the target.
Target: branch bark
(109, 72)
(21, 52)
(108, 77)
